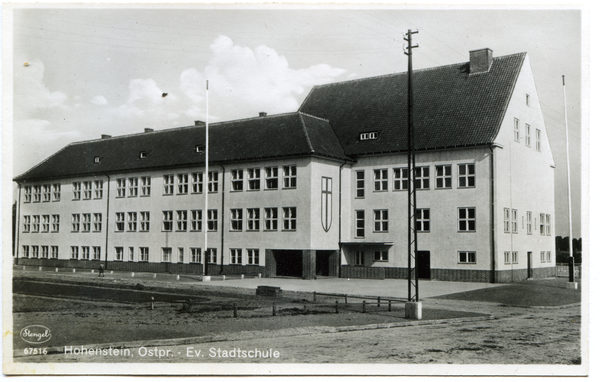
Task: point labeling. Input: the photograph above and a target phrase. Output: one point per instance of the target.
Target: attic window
(527, 99)
(199, 148)
(369, 136)
(96, 159)
(143, 155)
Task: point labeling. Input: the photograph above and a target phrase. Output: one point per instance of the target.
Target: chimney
(199, 123)
(148, 130)
(262, 113)
(480, 60)
(105, 136)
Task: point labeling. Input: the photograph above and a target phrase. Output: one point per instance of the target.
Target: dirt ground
(515, 335)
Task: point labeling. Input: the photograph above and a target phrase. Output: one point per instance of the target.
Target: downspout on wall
(339, 264)
(107, 212)
(222, 220)
(18, 226)
(492, 216)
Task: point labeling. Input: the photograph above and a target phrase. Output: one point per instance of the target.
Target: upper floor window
(37, 194)
(443, 176)
(120, 221)
(168, 181)
(213, 181)
(182, 184)
(87, 190)
(75, 222)
(507, 220)
(380, 219)
(196, 182)
(26, 223)
(400, 179)
(47, 193)
(466, 175)
(236, 219)
(271, 178)
(381, 180)
(527, 135)
(146, 185)
(55, 223)
(289, 176)
(97, 222)
(56, 192)
(538, 139)
(133, 187)
(87, 223)
(36, 223)
(237, 180)
(271, 219)
(167, 221)
(45, 223)
(144, 221)
(360, 223)
(121, 186)
(98, 189)
(253, 219)
(132, 221)
(422, 178)
(360, 184)
(548, 230)
(254, 179)
(516, 130)
(196, 220)
(289, 218)
(182, 220)
(27, 194)
(212, 220)
(466, 219)
(423, 220)
(513, 221)
(369, 136)
(529, 223)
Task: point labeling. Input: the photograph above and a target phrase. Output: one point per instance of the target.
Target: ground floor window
(55, 252)
(85, 253)
(466, 257)
(180, 254)
(236, 256)
(380, 255)
(131, 253)
(25, 251)
(119, 253)
(196, 255)
(359, 258)
(543, 256)
(44, 252)
(548, 256)
(166, 255)
(212, 255)
(515, 257)
(506, 257)
(74, 253)
(144, 253)
(253, 256)
(96, 253)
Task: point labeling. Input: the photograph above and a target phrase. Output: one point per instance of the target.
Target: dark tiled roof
(283, 135)
(450, 109)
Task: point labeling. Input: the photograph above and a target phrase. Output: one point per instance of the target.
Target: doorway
(424, 265)
(288, 263)
(529, 265)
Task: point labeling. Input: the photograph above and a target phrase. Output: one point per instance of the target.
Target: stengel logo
(35, 334)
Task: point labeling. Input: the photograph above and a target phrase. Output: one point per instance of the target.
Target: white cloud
(99, 100)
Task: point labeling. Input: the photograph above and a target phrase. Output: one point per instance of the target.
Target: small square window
(96, 159)
(143, 155)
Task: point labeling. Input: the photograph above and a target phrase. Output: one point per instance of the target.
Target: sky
(82, 72)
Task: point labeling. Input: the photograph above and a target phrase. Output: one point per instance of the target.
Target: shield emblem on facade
(326, 203)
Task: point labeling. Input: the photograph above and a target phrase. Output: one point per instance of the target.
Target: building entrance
(288, 263)
(424, 265)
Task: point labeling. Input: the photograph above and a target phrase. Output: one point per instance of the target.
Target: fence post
(234, 310)
(305, 310)
(190, 305)
(364, 306)
(274, 309)
(152, 303)
(378, 302)
(336, 307)
(389, 305)
(346, 299)
(314, 296)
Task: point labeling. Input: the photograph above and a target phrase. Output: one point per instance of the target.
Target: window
(131, 253)
(506, 257)
(236, 219)
(527, 99)
(196, 255)
(167, 221)
(515, 257)
(87, 190)
(253, 256)
(45, 252)
(236, 256)
(133, 187)
(56, 192)
(27, 194)
(443, 176)
(96, 159)
(98, 186)
(146, 182)
(360, 184)
(132, 221)
(196, 182)
(121, 187)
(26, 223)
(97, 222)
(120, 222)
(507, 220)
(380, 255)
(422, 178)
(543, 224)
(119, 253)
(37, 194)
(75, 253)
(35, 251)
(36, 223)
(212, 255)
(538, 139)
(87, 223)
(96, 253)
(76, 190)
(466, 219)
(85, 253)
(212, 221)
(423, 220)
(166, 255)
(270, 219)
(527, 135)
(360, 223)
(55, 223)
(144, 253)
(529, 224)
(548, 230)
(513, 222)
(542, 256)
(196, 220)
(182, 220)
(199, 148)
(516, 131)
(182, 184)
(237, 180)
(381, 220)
(45, 223)
(359, 257)
(381, 180)
(289, 218)
(271, 179)
(253, 179)
(47, 193)
(466, 257)
(25, 251)
(369, 136)
(75, 221)
(144, 221)
(466, 175)
(289, 177)
(54, 250)
(168, 184)
(548, 256)
(180, 255)
(253, 219)
(143, 155)
(213, 181)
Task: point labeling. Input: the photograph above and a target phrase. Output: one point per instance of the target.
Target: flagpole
(571, 259)
(206, 254)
